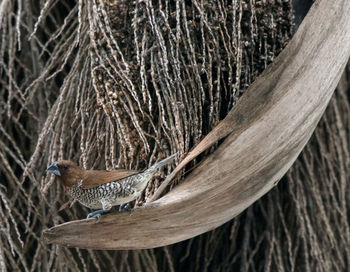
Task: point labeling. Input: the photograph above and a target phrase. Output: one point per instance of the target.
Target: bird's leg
(106, 207)
(97, 214)
(122, 207)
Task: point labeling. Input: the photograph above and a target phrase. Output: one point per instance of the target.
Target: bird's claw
(124, 207)
(94, 215)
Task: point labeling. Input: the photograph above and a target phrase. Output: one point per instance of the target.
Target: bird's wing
(94, 178)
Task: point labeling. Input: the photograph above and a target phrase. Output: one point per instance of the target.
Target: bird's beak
(53, 168)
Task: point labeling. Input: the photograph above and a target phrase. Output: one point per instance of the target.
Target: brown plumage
(71, 174)
(98, 189)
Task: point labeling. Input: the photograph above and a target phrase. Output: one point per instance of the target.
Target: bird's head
(67, 172)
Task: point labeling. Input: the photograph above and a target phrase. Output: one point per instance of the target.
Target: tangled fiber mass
(122, 84)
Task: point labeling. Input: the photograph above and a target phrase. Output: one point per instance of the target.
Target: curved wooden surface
(267, 130)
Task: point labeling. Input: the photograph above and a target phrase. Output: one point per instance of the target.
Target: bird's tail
(157, 165)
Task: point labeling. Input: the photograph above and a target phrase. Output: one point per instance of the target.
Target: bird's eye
(65, 167)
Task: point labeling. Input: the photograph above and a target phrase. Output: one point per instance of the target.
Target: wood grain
(266, 131)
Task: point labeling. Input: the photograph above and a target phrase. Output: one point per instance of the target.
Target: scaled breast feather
(94, 178)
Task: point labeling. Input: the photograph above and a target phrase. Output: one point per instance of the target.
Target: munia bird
(100, 189)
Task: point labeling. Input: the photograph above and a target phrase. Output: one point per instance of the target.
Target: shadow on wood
(265, 133)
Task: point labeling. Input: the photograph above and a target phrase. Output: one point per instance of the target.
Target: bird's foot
(96, 214)
(124, 207)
